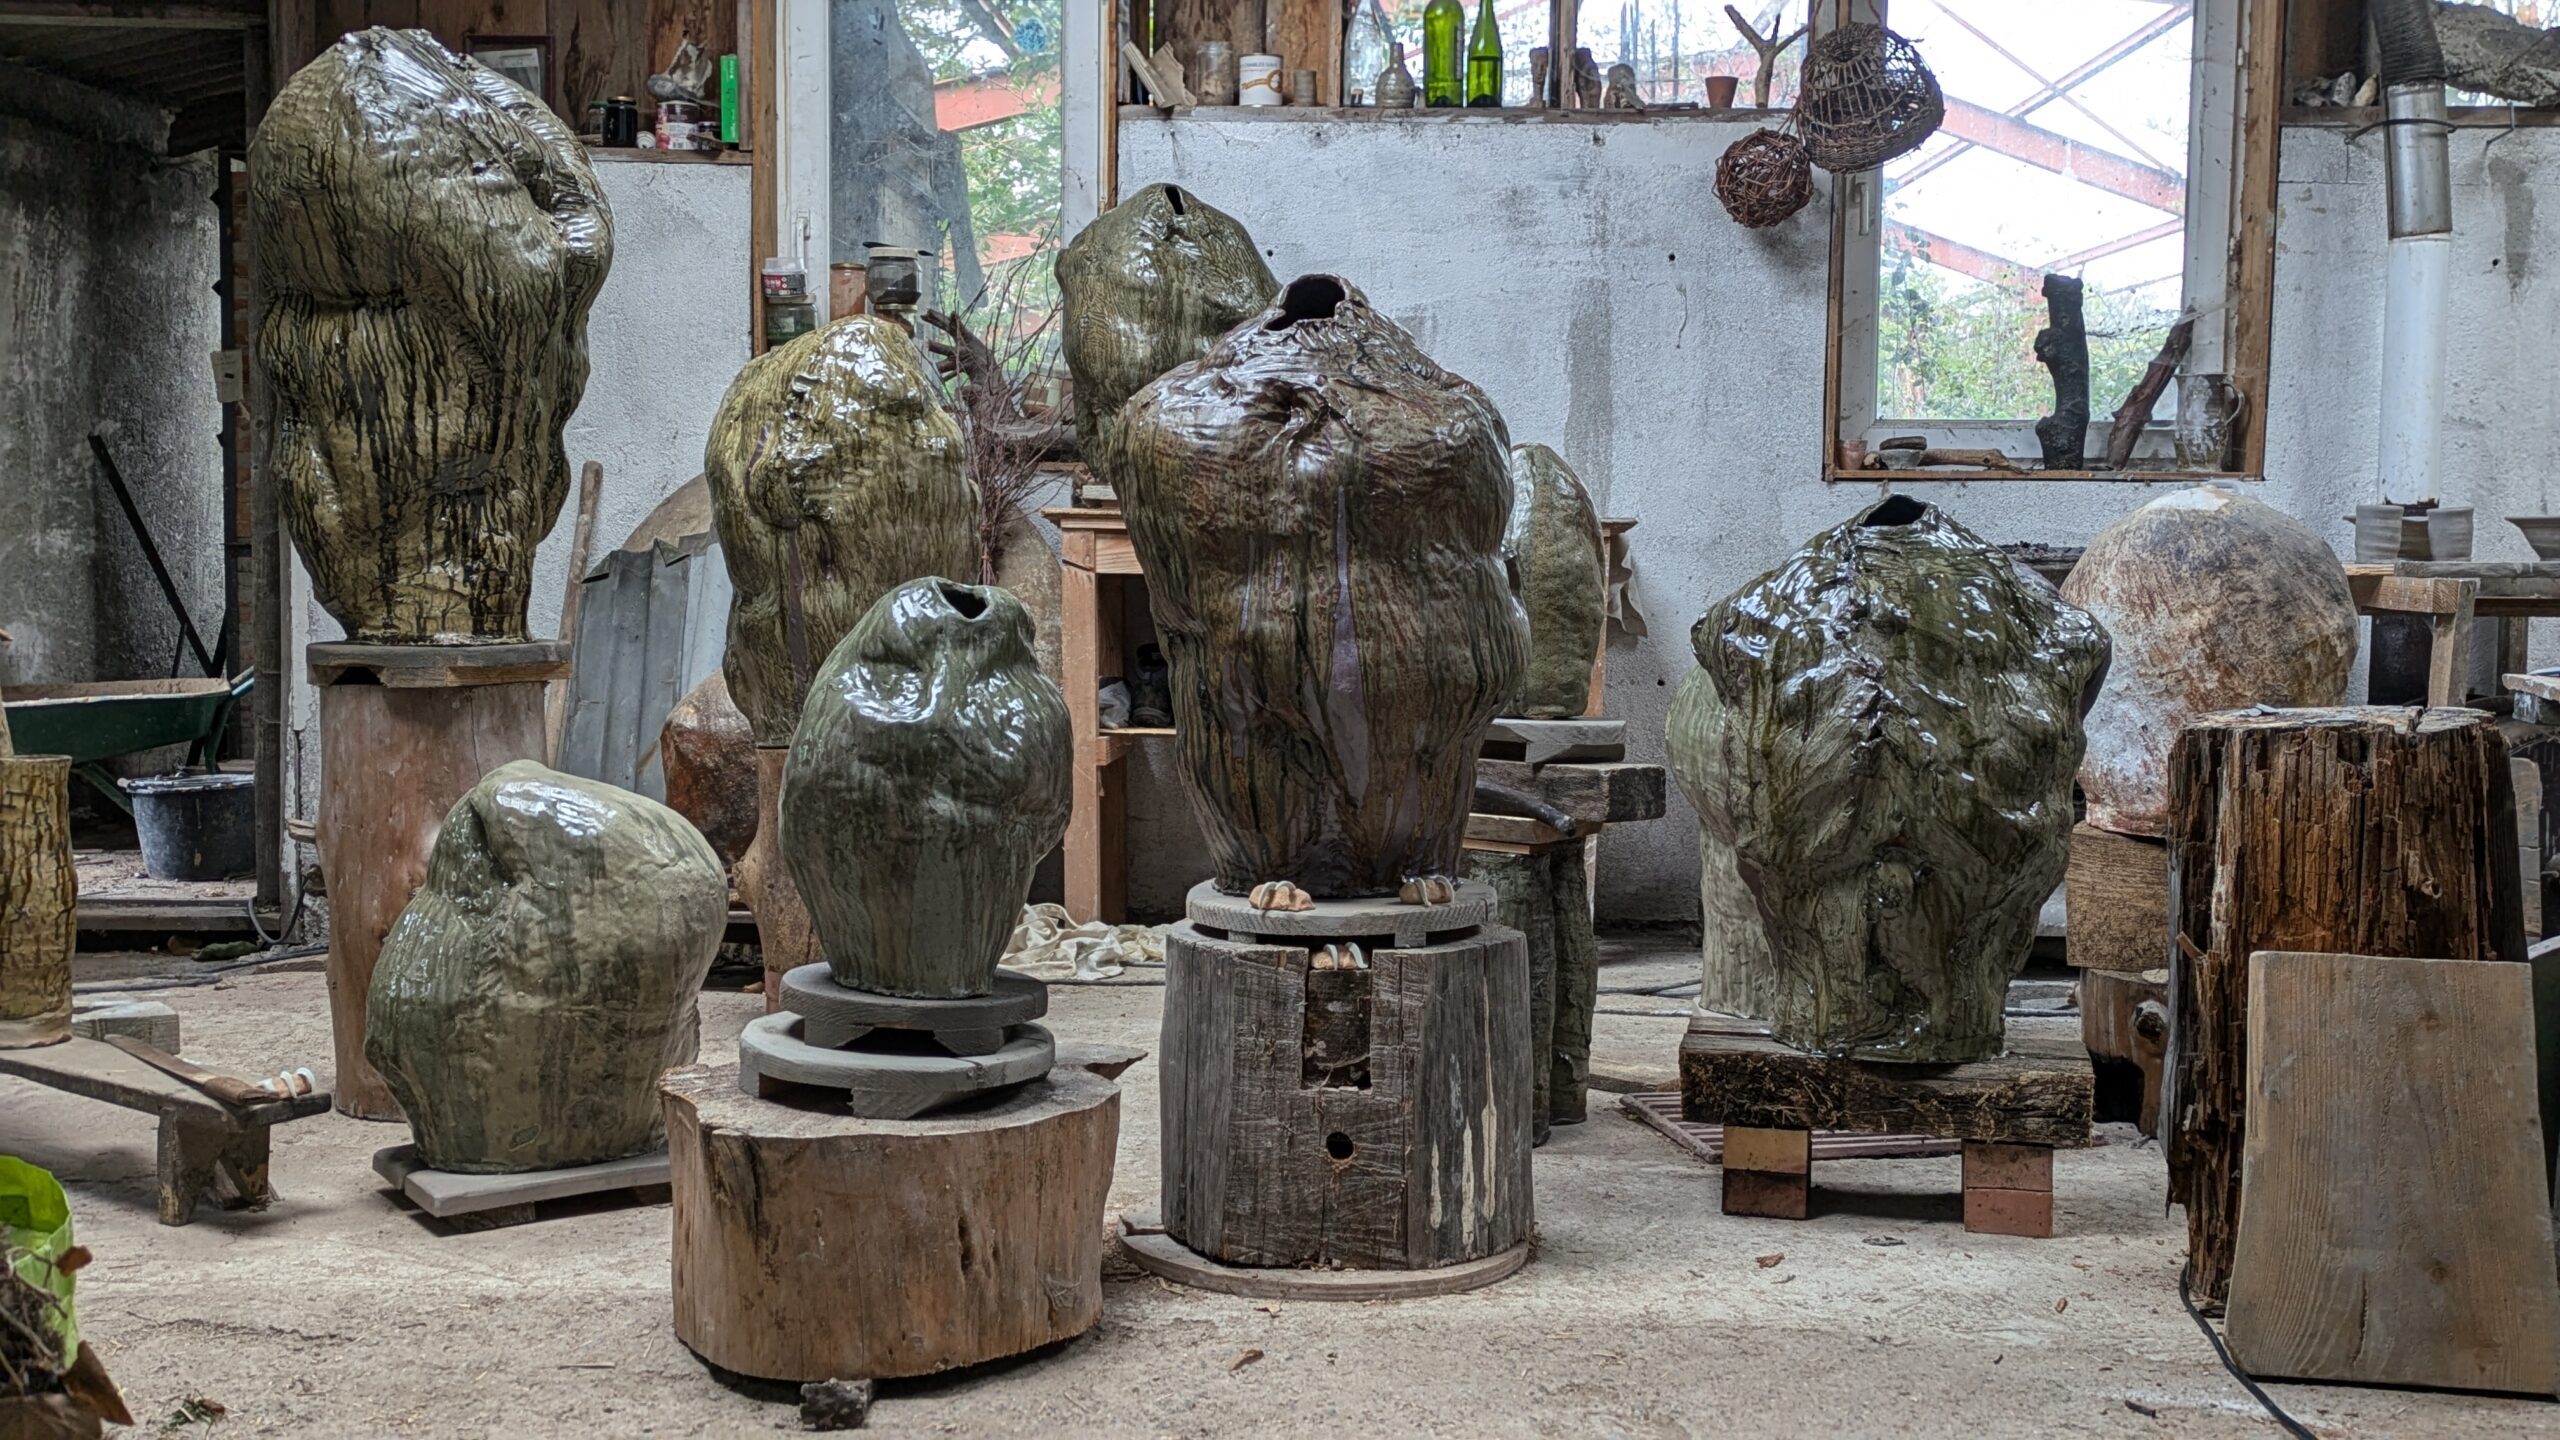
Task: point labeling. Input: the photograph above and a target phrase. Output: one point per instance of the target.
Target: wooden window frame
(2244, 299)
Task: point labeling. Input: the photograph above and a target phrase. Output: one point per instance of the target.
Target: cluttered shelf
(1457, 115)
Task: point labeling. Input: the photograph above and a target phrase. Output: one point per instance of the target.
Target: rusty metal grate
(1661, 1110)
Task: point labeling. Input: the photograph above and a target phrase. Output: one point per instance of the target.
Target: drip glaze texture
(929, 775)
(2216, 602)
(546, 973)
(1559, 564)
(1320, 509)
(428, 238)
(1733, 947)
(1150, 284)
(836, 475)
(1902, 719)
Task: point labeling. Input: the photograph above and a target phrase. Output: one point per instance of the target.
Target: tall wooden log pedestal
(785, 934)
(2116, 893)
(815, 1245)
(405, 731)
(39, 899)
(1372, 1118)
(1541, 878)
(2382, 831)
(2011, 1112)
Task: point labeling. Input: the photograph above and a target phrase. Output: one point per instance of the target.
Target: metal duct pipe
(2418, 266)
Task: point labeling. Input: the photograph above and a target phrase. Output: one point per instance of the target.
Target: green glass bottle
(1444, 25)
(1484, 59)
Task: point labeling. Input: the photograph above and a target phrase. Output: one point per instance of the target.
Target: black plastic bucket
(196, 827)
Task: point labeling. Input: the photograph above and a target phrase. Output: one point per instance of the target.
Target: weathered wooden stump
(784, 932)
(38, 899)
(2116, 890)
(813, 1245)
(1370, 1118)
(2011, 1111)
(2360, 830)
(405, 731)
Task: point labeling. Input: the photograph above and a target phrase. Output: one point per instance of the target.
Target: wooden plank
(2373, 830)
(2395, 1225)
(2040, 1092)
(596, 50)
(2252, 297)
(1598, 794)
(1307, 35)
(1513, 830)
(99, 1071)
(2117, 894)
(445, 1193)
(437, 667)
(1145, 1244)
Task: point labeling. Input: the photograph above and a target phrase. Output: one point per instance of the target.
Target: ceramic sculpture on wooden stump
(836, 475)
(1901, 723)
(1559, 562)
(546, 975)
(39, 898)
(1150, 284)
(927, 779)
(1320, 509)
(428, 238)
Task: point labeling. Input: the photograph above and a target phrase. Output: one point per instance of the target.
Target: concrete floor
(338, 1313)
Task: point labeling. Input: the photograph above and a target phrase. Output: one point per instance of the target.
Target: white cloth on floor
(1047, 943)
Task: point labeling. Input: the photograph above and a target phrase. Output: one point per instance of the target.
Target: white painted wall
(666, 335)
(1586, 277)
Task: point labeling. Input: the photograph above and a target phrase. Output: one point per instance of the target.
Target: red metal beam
(989, 99)
(2000, 269)
(2169, 19)
(2048, 150)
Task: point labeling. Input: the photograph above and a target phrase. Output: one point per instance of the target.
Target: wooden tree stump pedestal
(2011, 1112)
(405, 731)
(815, 1245)
(39, 898)
(1371, 1118)
(785, 934)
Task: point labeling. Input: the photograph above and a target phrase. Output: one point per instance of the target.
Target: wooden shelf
(1507, 115)
(1137, 731)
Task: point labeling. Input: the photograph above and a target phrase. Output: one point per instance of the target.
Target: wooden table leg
(200, 1161)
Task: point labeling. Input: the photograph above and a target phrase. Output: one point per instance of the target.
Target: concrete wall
(1586, 277)
(667, 334)
(108, 255)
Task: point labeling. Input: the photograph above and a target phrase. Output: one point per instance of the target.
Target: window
(2071, 137)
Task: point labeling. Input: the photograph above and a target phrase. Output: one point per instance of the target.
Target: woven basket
(1764, 177)
(1865, 96)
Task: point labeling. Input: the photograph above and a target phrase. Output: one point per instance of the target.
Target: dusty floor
(338, 1313)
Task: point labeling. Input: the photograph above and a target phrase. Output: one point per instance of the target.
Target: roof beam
(105, 14)
(2059, 153)
(2170, 18)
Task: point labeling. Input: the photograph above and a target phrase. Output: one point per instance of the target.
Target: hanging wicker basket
(1865, 96)
(1764, 178)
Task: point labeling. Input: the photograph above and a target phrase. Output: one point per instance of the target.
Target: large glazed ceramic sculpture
(928, 777)
(1902, 720)
(836, 475)
(1149, 285)
(2216, 601)
(545, 975)
(1559, 561)
(1734, 972)
(428, 237)
(1320, 511)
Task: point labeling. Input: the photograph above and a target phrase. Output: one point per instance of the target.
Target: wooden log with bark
(38, 900)
(784, 931)
(2062, 347)
(2354, 830)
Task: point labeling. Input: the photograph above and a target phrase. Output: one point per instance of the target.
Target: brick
(2007, 1212)
(2008, 1167)
(1772, 1197)
(1770, 1152)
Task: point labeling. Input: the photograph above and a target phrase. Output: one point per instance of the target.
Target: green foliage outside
(1953, 348)
(1014, 166)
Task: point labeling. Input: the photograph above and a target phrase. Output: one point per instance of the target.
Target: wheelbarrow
(95, 721)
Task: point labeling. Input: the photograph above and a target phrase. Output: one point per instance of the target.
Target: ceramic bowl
(2542, 532)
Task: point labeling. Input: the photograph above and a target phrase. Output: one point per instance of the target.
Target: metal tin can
(621, 123)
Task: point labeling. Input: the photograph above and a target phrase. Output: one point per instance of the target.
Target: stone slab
(884, 1085)
(446, 1194)
(1143, 1241)
(436, 667)
(1540, 742)
(1594, 794)
(1411, 925)
(836, 1015)
(148, 1021)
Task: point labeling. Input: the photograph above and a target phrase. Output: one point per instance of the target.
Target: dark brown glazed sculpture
(1901, 719)
(1559, 563)
(928, 777)
(428, 238)
(546, 974)
(1150, 284)
(1320, 509)
(836, 476)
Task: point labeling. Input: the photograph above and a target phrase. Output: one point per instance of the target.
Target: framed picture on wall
(525, 59)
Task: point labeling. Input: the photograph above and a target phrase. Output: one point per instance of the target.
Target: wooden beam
(84, 14)
(2252, 294)
(2091, 165)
